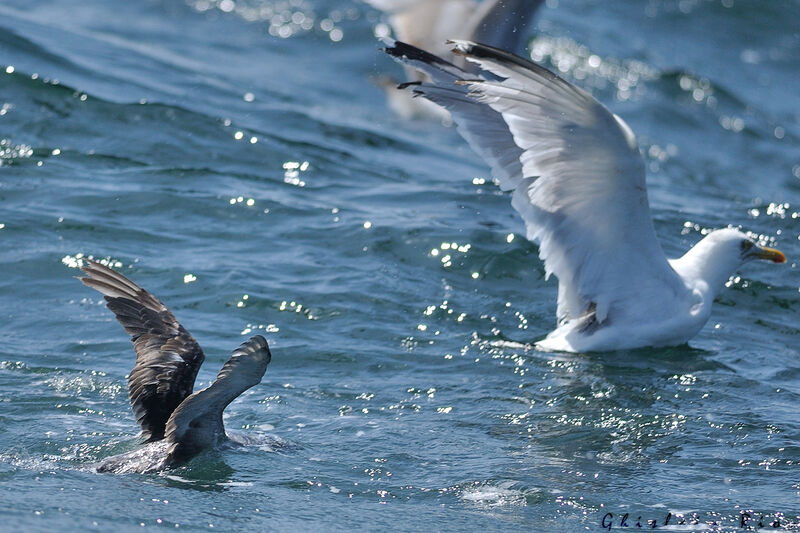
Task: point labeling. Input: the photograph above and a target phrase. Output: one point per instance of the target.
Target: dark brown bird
(176, 421)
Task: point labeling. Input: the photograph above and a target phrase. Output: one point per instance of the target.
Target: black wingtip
(405, 51)
(86, 264)
(260, 340)
(485, 51)
(256, 343)
(91, 265)
(408, 84)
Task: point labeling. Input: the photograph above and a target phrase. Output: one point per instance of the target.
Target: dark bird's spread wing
(197, 422)
(167, 356)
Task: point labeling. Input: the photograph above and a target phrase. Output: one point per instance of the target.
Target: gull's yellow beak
(769, 254)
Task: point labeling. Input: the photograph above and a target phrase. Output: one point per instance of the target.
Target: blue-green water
(244, 169)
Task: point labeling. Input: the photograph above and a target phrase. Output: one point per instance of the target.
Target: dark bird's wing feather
(167, 356)
(197, 422)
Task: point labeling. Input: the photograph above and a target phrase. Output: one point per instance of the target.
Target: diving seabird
(578, 180)
(427, 23)
(176, 423)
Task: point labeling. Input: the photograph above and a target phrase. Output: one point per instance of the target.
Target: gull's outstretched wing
(167, 356)
(197, 422)
(579, 180)
(503, 23)
(482, 127)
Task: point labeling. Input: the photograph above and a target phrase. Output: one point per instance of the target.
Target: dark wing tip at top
(114, 285)
(250, 360)
(408, 84)
(90, 266)
(260, 340)
(401, 50)
(95, 270)
(255, 342)
(485, 51)
(255, 345)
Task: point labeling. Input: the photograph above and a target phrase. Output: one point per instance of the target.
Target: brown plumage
(167, 361)
(167, 356)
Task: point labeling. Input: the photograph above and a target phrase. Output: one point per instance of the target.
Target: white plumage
(578, 180)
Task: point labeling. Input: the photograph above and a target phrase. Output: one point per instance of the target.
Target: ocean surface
(235, 158)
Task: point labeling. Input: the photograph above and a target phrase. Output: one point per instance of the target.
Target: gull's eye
(746, 245)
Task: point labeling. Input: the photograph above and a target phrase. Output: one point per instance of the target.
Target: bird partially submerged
(176, 423)
(578, 180)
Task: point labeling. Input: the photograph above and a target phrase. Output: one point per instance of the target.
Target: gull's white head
(732, 247)
(715, 258)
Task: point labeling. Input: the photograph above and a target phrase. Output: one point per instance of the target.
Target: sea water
(235, 159)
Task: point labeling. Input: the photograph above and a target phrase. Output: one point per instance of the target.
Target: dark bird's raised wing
(167, 356)
(197, 422)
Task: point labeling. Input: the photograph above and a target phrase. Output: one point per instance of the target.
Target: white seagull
(578, 180)
(176, 423)
(428, 23)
